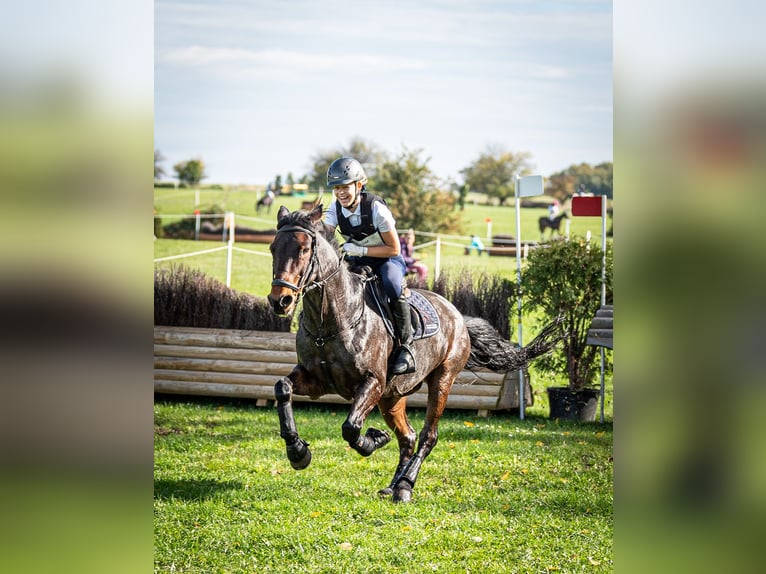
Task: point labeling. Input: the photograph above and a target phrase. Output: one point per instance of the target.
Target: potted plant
(564, 278)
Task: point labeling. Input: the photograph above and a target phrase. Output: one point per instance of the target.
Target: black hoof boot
(298, 454)
(372, 440)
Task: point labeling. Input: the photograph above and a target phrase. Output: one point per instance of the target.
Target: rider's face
(346, 194)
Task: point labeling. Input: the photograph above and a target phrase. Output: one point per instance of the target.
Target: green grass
(252, 273)
(496, 495)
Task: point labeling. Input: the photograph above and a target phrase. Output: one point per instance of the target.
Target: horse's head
(294, 256)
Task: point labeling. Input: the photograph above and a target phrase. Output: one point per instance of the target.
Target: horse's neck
(337, 296)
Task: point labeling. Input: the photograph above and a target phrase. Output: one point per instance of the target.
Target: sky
(257, 88)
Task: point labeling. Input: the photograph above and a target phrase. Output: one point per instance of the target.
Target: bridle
(312, 262)
(304, 285)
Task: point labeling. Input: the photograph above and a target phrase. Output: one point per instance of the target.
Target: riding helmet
(345, 170)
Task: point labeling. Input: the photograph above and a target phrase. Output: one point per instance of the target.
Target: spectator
(408, 252)
(475, 244)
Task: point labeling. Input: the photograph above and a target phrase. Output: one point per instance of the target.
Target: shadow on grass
(192, 489)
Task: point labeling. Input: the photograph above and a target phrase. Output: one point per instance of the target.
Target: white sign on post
(530, 185)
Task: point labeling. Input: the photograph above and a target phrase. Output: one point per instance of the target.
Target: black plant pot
(577, 405)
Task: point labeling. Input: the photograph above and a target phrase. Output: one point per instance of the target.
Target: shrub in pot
(564, 278)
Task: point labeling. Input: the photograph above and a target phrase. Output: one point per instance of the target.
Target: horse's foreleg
(365, 399)
(298, 452)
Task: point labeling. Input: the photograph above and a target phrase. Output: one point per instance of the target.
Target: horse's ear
(283, 212)
(316, 213)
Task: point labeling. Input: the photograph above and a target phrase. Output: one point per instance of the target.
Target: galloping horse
(264, 203)
(343, 347)
(554, 224)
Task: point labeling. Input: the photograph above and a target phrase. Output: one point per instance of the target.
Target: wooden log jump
(246, 364)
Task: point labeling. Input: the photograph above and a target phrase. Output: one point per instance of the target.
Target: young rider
(370, 235)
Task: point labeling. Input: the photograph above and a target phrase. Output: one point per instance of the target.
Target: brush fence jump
(246, 364)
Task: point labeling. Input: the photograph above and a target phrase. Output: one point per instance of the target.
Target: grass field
(496, 495)
(252, 273)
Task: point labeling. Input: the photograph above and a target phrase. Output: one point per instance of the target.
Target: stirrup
(404, 363)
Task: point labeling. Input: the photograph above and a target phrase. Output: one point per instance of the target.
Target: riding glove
(354, 250)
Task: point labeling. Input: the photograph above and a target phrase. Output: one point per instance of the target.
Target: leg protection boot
(405, 360)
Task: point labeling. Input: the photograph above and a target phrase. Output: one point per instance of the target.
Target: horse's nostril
(285, 301)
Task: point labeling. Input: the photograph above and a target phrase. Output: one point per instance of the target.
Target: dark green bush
(564, 277)
(185, 297)
(479, 295)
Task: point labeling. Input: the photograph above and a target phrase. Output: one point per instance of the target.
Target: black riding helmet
(345, 170)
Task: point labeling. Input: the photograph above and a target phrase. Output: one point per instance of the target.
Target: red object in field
(586, 205)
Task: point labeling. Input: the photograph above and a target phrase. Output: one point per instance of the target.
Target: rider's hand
(354, 250)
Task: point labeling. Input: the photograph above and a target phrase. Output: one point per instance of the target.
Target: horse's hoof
(386, 492)
(372, 440)
(402, 495)
(379, 437)
(299, 455)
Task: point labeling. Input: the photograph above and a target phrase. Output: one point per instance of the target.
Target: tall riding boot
(405, 360)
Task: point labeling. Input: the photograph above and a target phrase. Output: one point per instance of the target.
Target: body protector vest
(365, 234)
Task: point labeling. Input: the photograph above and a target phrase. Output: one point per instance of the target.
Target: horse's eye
(305, 251)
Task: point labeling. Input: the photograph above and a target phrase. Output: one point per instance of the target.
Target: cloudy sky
(255, 88)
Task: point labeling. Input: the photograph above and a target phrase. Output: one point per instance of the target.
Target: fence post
(438, 257)
(230, 218)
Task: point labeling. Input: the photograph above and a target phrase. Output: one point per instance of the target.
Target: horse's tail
(489, 349)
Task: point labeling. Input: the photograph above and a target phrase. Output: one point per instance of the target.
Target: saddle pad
(425, 321)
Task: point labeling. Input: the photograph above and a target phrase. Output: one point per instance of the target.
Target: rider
(369, 231)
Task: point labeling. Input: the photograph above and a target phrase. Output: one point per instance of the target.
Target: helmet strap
(357, 196)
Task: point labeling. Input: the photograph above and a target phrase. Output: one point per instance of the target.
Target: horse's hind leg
(439, 385)
(395, 414)
(365, 399)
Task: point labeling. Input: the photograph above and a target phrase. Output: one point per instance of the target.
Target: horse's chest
(337, 366)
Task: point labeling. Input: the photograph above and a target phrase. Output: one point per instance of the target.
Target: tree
(159, 171)
(493, 172)
(597, 180)
(561, 186)
(368, 154)
(190, 172)
(412, 192)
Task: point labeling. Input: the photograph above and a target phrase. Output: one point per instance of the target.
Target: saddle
(425, 321)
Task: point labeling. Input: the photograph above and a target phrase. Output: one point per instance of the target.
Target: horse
(264, 203)
(343, 347)
(554, 224)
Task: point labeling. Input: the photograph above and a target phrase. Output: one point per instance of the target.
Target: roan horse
(553, 224)
(343, 347)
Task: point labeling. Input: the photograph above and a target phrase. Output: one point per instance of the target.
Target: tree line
(416, 196)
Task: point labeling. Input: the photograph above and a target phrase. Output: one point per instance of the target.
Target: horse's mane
(302, 218)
